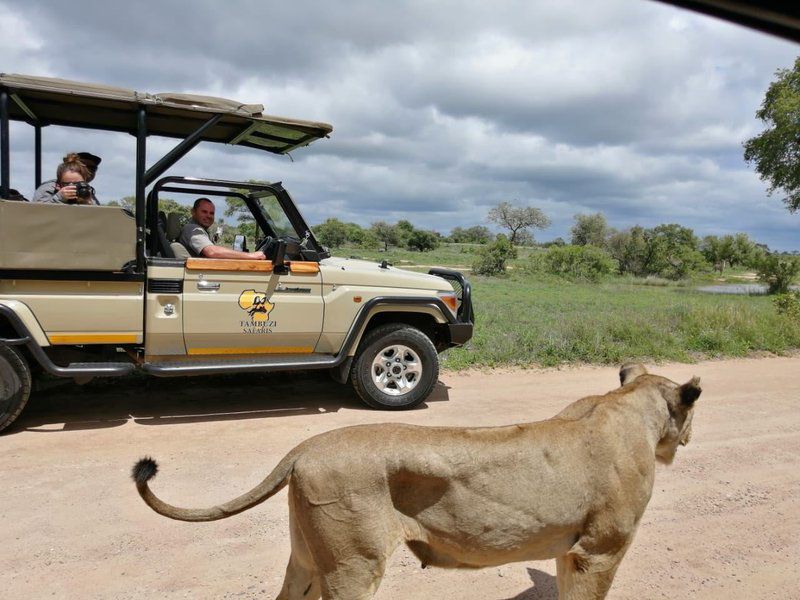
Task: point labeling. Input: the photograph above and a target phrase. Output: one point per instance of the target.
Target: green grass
(543, 320)
(522, 320)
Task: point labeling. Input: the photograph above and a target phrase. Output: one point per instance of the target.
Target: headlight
(451, 300)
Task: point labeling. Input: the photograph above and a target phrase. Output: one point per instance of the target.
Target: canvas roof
(50, 101)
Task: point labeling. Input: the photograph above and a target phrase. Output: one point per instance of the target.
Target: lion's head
(680, 401)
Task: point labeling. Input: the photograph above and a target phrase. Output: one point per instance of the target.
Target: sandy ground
(724, 520)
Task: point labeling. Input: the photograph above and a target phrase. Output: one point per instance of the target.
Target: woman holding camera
(71, 185)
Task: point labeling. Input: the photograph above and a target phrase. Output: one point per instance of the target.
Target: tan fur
(573, 488)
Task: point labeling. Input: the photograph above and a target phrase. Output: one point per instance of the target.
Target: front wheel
(15, 385)
(395, 368)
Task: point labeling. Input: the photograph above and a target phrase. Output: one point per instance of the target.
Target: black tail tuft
(144, 470)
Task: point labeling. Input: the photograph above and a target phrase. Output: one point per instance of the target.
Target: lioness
(572, 488)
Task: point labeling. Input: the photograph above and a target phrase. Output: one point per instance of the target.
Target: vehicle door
(245, 307)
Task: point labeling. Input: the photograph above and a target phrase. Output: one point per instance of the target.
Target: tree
(477, 234)
(776, 150)
(167, 205)
(517, 219)
(672, 251)
(590, 229)
(128, 203)
(422, 240)
(778, 272)
(718, 251)
(745, 251)
(630, 249)
(332, 233)
(387, 234)
(355, 233)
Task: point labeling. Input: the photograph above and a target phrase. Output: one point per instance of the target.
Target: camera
(83, 190)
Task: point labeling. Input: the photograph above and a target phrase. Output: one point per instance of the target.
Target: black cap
(91, 157)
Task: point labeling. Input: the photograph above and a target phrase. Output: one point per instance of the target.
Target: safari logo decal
(258, 307)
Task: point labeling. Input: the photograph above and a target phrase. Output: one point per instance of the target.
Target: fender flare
(429, 305)
(23, 321)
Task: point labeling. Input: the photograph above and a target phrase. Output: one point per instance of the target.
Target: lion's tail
(144, 470)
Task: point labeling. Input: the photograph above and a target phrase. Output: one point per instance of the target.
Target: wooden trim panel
(301, 267)
(218, 264)
(254, 266)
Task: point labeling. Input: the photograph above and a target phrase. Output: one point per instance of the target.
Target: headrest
(174, 226)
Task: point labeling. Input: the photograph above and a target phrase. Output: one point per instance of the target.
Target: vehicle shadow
(105, 403)
(544, 587)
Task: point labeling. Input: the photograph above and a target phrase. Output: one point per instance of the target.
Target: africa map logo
(256, 305)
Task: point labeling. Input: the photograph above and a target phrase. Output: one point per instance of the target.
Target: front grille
(165, 286)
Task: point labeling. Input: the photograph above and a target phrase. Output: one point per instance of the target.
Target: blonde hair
(72, 163)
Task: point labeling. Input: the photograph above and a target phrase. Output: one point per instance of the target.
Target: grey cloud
(440, 110)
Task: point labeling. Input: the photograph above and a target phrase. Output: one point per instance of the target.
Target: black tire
(15, 385)
(392, 397)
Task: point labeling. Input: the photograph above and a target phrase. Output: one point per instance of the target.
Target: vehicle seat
(15, 195)
(163, 245)
(174, 226)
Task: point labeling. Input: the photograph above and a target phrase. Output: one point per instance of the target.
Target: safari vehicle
(101, 291)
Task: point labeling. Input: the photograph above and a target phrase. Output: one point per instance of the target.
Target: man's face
(204, 214)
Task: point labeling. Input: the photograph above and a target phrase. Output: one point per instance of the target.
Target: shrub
(788, 304)
(492, 259)
(422, 240)
(332, 233)
(587, 263)
(778, 272)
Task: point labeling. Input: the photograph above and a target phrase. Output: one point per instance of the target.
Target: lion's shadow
(103, 403)
(544, 587)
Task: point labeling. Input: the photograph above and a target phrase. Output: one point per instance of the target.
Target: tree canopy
(590, 229)
(518, 219)
(775, 152)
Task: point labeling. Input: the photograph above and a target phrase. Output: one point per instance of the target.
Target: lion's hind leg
(302, 579)
(583, 576)
(300, 582)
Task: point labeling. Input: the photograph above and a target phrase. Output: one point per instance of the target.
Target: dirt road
(724, 521)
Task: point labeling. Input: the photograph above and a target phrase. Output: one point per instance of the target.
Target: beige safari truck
(101, 291)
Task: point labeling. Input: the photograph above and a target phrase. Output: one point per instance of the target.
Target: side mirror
(240, 243)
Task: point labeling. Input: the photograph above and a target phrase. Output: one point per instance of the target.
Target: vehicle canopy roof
(51, 101)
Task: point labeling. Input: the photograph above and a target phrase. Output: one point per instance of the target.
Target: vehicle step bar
(246, 364)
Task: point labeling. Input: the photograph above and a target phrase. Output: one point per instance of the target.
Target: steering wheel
(264, 243)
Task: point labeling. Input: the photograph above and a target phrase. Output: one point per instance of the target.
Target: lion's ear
(630, 371)
(690, 391)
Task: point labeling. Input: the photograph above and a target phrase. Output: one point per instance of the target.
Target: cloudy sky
(440, 109)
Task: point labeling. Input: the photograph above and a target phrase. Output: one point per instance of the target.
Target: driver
(194, 235)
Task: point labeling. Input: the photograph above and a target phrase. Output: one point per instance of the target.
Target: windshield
(275, 216)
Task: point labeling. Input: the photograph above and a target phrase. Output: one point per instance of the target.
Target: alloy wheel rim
(396, 370)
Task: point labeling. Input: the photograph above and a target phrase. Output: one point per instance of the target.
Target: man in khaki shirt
(194, 235)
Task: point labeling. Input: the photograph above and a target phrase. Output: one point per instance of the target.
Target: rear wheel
(395, 368)
(15, 385)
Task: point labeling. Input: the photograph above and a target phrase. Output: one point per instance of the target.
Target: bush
(788, 304)
(422, 240)
(778, 272)
(492, 259)
(586, 263)
(331, 233)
